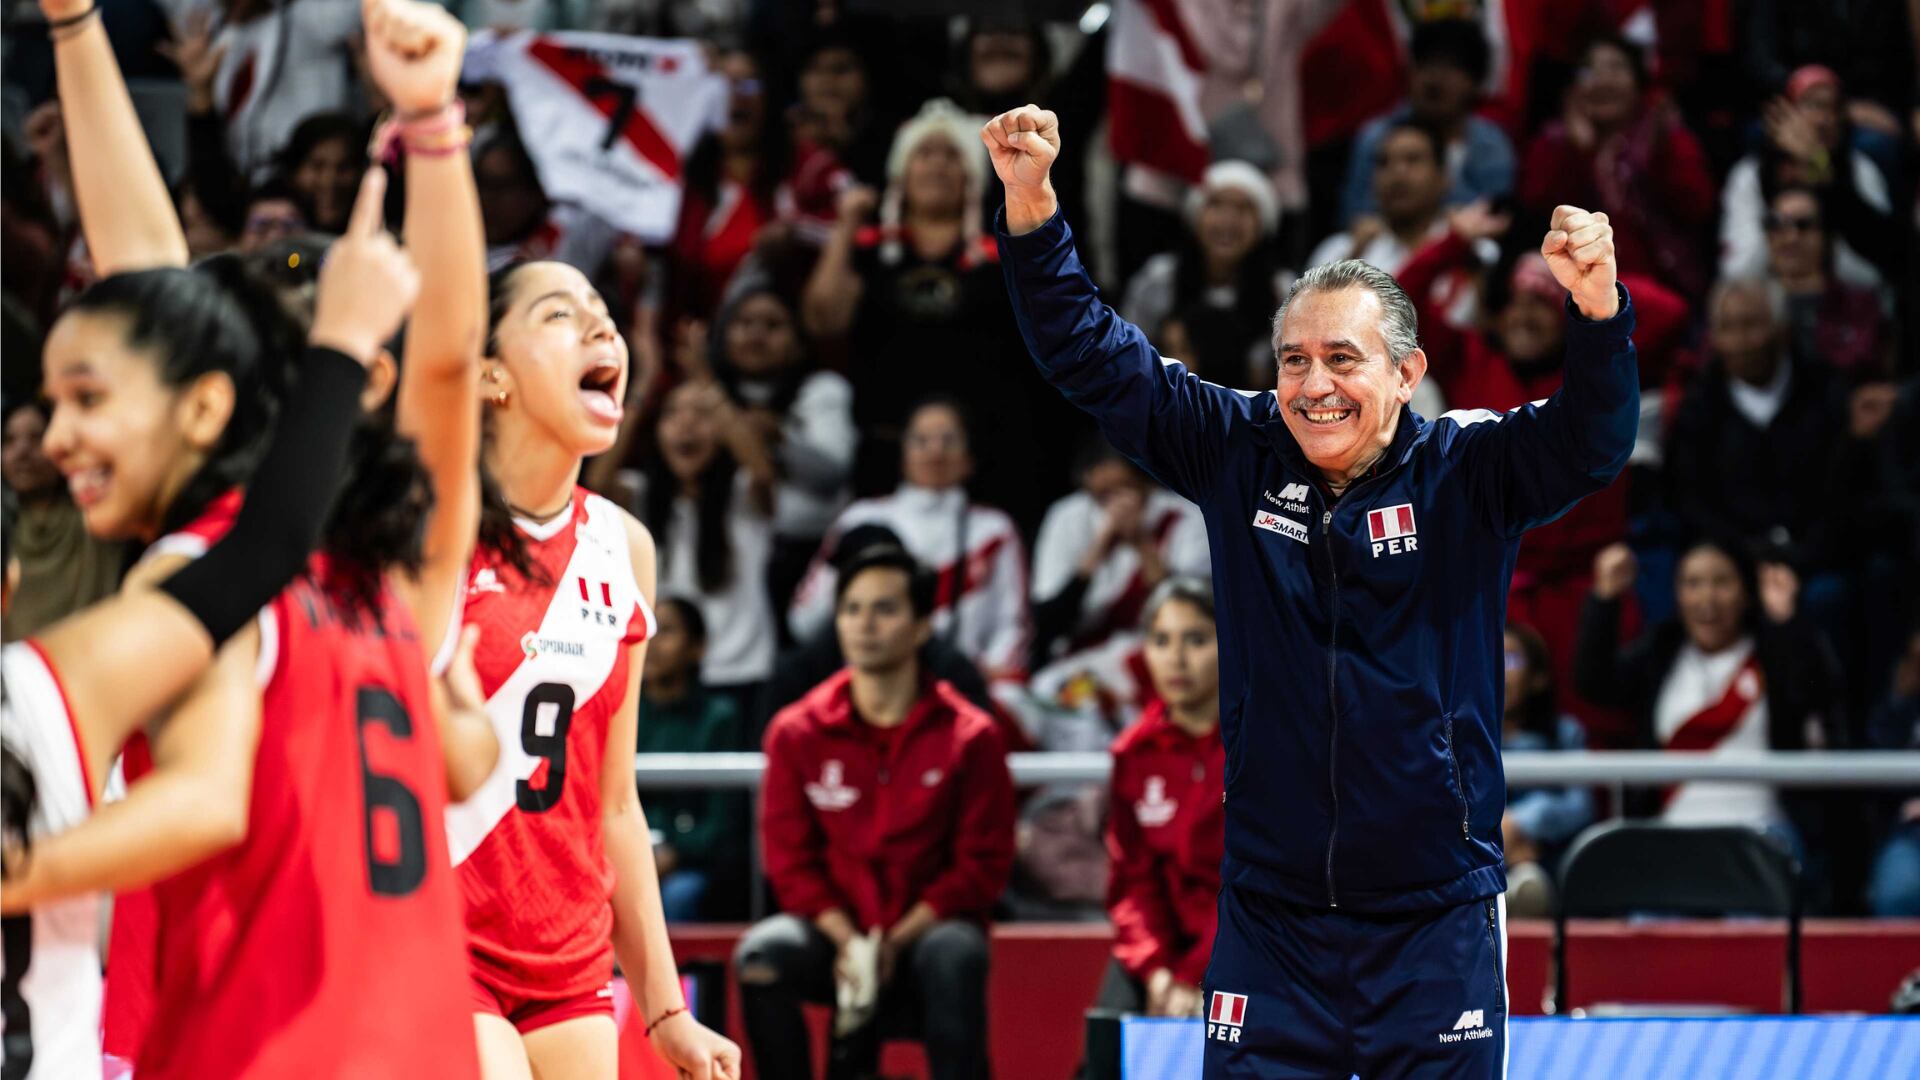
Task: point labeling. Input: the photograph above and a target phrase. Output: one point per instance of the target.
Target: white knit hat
(1244, 178)
(941, 117)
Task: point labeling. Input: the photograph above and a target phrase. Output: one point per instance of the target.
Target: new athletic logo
(1471, 1025)
(1391, 530)
(1224, 1019)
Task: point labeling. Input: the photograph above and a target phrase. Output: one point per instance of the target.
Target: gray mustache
(1334, 402)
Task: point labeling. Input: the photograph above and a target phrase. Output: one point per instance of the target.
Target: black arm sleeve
(287, 501)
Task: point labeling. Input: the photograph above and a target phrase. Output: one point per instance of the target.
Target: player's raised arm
(1540, 459)
(126, 212)
(414, 52)
(1159, 414)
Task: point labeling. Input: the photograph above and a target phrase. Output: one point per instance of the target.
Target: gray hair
(1191, 589)
(1769, 289)
(1398, 324)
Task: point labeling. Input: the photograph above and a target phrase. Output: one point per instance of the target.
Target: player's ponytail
(498, 535)
(379, 518)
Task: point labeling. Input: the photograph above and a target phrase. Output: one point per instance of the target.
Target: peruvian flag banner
(1154, 69)
(608, 119)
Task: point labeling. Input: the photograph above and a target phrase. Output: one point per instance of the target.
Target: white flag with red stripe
(608, 119)
(1228, 1009)
(1154, 69)
(1391, 522)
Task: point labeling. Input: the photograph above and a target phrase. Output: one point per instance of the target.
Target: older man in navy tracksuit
(1361, 557)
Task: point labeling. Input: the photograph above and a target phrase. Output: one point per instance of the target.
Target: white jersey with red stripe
(50, 972)
(981, 599)
(553, 662)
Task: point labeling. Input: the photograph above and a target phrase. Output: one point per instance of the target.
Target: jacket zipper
(1333, 708)
(1459, 783)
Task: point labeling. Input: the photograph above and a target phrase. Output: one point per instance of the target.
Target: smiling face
(563, 363)
(761, 339)
(1339, 393)
(126, 443)
(1183, 657)
(328, 178)
(689, 435)
(1712, 600)
(1608, 87)
(1228, 226)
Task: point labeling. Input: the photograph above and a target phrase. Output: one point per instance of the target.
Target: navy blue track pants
(1298, 992)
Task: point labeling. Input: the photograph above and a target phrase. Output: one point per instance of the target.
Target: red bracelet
(661, 1019)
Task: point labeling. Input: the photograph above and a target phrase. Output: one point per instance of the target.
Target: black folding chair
(1622, 868)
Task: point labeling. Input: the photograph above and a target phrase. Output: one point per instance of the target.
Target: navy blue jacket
(1361, 643)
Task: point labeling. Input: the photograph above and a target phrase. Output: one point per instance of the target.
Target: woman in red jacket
(886, 820)
(1164, 823)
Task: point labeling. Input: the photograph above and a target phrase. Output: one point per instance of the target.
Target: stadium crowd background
(825, 353)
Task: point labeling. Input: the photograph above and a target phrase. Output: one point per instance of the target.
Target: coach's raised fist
(1023, 143)
(1579, 250)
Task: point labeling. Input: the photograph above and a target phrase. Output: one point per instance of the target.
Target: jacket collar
(834, 705)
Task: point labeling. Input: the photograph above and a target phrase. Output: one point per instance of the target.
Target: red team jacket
(1165, 831)
(874, 820)
(553, 662)
(328, 944)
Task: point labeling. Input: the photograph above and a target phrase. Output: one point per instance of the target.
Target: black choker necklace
(540, 519)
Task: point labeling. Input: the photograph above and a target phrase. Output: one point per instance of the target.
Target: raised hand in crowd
(1579, 250)
(1779, 591)
(1478, 221)
(198, 57)
(1789, 129)
(1614, 571)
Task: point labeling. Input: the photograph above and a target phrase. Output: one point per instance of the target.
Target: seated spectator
(1102, 551)
(1894, 891)
(1223, 282)
(1165, 824)
(696, 833)
(1737, 671)
(1619, 150)
(1728, 476)
(707, 495)
(1830, 322)
(1408, 174)
(1450, 60)
(1808, 145)
(62, 568)
(975, 552)
(886, 884)
(801, 414)
(811, 663)
(1539, 822)
(920, 307)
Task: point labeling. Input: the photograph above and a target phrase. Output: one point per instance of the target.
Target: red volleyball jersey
(328, 944)
(128, 1007)
(552, 658)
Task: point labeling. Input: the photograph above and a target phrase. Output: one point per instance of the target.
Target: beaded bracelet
(435, 134)
(661, 1019)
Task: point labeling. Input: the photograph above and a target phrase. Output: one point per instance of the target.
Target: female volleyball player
(554, 854)
(345, 636)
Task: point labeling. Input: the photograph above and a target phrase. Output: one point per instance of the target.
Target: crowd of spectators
(838, 440)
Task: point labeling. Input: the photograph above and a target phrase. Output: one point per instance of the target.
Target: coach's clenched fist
(1579, 250)
(1023, 143)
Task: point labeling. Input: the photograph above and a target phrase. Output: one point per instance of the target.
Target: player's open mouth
(596, 390)
(88, 486)
(1325, 417)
